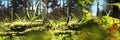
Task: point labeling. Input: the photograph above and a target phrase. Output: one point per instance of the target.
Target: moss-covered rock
(90, 31)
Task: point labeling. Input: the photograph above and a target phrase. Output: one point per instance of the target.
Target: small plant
(86, 17)
(108, 21)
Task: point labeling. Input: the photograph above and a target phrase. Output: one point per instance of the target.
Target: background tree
(19, 7)
(3, 10)
(115, 8)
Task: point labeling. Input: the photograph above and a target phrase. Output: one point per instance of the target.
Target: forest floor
(86, 29)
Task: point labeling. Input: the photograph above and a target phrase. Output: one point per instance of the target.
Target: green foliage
(52, 24)
(86, 17)
(108, 21)
(4, 27)
(85, 3)
(115, 4)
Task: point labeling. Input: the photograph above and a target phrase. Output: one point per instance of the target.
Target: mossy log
(34, 29)
(20, 33)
